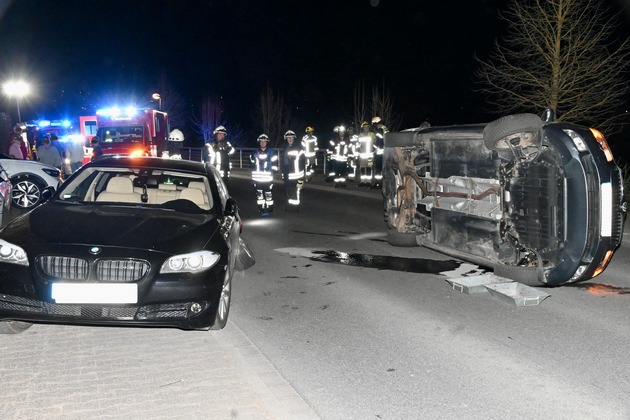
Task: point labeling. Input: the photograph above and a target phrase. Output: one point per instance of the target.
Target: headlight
(52, 172)
(12, 254)
(577, 140)
(195, 262)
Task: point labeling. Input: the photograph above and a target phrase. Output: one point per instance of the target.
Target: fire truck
(131, 131)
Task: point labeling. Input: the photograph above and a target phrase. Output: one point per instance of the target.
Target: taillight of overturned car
(603, 144)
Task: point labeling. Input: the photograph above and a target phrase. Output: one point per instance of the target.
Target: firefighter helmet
(364, 124)
(289, 133)
(220, 129)
(176, 135)
(376, 120)
(263, 137)
(340, 129)
(309, 129)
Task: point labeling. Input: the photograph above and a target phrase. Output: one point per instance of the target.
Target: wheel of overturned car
(391, 207)
(223, 310)
(27, 192)
(14, 327)
(395, 238)
(522, 130)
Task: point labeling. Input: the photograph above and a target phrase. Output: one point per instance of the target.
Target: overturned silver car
(539, 202)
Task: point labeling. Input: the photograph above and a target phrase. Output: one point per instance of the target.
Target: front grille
(121, 271)
(173, 310)
(92, 311)
(107, 270)
(617, 222)
(66, 268)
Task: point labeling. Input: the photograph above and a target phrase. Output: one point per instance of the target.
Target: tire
(14, 327)
(391, 183)
(223, 309)
(27, 192)
(395, 238)
(526, 126)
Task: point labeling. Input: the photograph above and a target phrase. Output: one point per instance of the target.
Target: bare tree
(273, 115)
(558, 54)
(382, 105)
(360, 104)
(211, 115)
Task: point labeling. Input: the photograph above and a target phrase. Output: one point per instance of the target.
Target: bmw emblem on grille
(95, 250)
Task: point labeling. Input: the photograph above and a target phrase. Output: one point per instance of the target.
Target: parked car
(125, 241)
(29, 179)
(539, 202)
(5, 197)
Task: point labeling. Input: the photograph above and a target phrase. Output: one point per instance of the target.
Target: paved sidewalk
(68, 372)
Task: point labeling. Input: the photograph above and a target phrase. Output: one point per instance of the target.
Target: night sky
(84, 54)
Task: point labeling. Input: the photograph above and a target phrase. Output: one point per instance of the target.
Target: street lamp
(159, 99)
(19, 89)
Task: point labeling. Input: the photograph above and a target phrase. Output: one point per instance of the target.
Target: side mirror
(47, 193)
(231, 208)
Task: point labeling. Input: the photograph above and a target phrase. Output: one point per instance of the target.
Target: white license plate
(95, 293)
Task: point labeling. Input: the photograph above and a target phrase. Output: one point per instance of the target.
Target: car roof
(150, 162)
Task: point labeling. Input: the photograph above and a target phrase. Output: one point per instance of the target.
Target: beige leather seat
(164, 193)
(202, 187)
(120, 190)
(195, 195)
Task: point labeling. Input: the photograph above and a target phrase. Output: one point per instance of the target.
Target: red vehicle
(132, 132)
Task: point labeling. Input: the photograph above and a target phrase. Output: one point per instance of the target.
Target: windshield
(139, 186)
(123, 134)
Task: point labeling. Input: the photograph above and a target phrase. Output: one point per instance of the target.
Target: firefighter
(365, 154)
(379, 145)
(292, 164)
(175, 143)
(219, 152)
(265, 163)
(97, 150)
(353, 153)
(338, 150)
(309, 144)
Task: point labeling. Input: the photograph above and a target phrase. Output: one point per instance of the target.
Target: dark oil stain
(266, 293)
(381, 262)
(308, 265)
(289, 277)
(266, 318)
(602, 289)
(328, 283)
(391, 370)
(323, 307)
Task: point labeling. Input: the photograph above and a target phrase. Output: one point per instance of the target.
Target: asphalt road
(337, 312)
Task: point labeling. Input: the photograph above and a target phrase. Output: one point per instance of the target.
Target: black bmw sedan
(126, 241)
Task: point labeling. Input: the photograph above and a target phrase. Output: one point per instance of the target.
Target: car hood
(123, 226)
